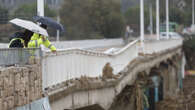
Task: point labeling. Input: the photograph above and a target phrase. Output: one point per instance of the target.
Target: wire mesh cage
(19, 56)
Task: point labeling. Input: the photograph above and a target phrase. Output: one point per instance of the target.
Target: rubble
(107, 72)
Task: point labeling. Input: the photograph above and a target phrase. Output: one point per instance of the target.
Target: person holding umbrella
(21, 39)
(38, 39)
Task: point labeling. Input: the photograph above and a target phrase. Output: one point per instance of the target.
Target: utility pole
(58, 20)
(167, 18)
(192, 12)
(142, 22)
(151, 20)
(40, 7)
(58, 32)
(157, 20)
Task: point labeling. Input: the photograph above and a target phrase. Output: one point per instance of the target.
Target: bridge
(90, 74)
(73, 78)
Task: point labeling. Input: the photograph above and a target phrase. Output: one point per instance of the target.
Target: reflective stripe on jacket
(14, 39)
(37, 40)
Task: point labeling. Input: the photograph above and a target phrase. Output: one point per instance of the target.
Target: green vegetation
(86, 19)
(25, 11)
(30, 10)
(181, 16)
(132, 17)
(3, 15)
(89, 19)
(190, 44)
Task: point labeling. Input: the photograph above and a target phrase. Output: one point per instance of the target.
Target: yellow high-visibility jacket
(37, 40)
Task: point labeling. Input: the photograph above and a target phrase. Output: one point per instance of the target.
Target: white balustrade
(155, 46)
(4, 45)
(73, 63)
(86, 44)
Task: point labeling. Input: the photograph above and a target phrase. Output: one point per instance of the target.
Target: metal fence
(18, 56)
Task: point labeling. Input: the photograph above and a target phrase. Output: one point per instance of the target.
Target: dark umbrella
(49, 22)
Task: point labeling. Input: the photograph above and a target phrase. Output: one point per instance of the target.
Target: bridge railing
(95, 43)
(3, 45)
(18, 56)
(74, 63)
(155, 46)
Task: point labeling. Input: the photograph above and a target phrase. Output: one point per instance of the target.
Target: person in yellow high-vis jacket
(37, 39)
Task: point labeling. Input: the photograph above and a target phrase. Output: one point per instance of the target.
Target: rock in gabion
(19, 86)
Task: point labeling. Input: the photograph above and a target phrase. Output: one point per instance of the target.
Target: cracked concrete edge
(128, 77)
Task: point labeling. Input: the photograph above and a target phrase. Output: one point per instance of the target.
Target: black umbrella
(49, 22)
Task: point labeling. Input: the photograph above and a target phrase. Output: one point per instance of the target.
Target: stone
(1, 81)
(4, 93)
(1, 92)
(10, 91)
(19, 86)
(17, 79)
(1, 104)
(10, 101)
(108, 72)
(25, 72)
(5, 105)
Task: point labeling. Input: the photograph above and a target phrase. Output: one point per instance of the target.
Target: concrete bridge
(74, 78)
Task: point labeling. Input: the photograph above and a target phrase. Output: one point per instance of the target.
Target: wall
(19, 85)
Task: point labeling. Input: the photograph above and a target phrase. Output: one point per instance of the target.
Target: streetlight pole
(58, 20)
(151, 20)
(58, 32)
(167, 18)
(142, 22)
(192, 12)
(157, 20)
(40, 7)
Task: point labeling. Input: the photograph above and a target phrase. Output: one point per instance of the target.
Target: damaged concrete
(185, 100)
(103, 92)
(131, 99)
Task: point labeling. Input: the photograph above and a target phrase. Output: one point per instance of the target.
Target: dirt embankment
(185, 101)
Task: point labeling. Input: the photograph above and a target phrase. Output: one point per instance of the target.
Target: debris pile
(186, 99)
